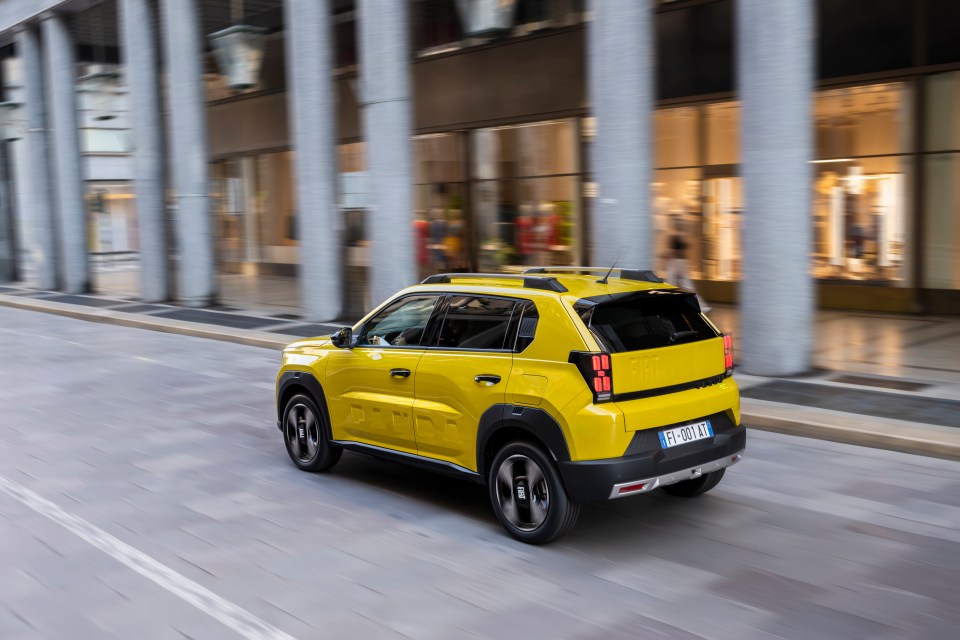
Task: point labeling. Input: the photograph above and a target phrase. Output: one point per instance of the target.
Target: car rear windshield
(644, 320)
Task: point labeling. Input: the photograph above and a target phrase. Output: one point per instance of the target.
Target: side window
(473, 322)
(401, 324)
(526, 319)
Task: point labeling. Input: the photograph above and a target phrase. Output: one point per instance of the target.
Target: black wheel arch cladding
(287, 387)
(532, 420)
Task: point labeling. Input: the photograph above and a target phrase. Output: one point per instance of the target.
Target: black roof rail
(639, 275)
(529, 282)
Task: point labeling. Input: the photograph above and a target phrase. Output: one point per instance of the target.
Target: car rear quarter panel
(540, 373)
(593, 431)
(543, 377)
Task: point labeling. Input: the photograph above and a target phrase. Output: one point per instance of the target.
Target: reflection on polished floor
(254, 293)
(885, 344)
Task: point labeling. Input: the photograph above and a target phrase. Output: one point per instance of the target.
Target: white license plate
(686, 433)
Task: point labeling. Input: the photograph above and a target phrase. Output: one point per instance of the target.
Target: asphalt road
(145, 493)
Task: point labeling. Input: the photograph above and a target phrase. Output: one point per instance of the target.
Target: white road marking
(240, 620)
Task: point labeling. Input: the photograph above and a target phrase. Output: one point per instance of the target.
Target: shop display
(861, 201)
(111, 218)
(858, 224)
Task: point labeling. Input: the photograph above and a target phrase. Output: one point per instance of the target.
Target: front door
(462, 374)
(370, 388)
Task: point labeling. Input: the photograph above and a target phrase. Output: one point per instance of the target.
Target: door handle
(400, 373)
(487, 379)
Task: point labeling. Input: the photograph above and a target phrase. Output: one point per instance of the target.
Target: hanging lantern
(486, 17)
(12, 122)
(239, 53)
(103, 91)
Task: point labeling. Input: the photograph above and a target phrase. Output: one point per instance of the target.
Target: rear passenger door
(463, 372)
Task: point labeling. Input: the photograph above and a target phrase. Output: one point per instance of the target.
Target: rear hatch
(658, 341)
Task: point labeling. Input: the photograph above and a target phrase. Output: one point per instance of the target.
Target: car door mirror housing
(343, 338)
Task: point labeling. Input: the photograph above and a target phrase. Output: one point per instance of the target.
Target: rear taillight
(597, 371)
(728, 354)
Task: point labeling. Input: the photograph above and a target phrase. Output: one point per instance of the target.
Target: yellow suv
(552, 387)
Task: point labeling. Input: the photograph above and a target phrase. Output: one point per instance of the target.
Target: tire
(305, 429)
(534, 512)
(695, 487)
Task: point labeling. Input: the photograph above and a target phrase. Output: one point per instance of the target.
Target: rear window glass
(644, 321)
(523, 326)
(476, 323)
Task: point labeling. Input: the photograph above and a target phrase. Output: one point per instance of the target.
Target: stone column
(385, 97)
(60, 67)
(621, 72)
(8, 243)
(776, 75)
(312, 107)
(138, 26)
(39, 196)
(188, 148)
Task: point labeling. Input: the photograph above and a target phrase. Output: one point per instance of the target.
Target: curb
(891, 435)
(876, 433)
(249, 338)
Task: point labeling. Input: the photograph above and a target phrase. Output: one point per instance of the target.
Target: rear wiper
(682, 335)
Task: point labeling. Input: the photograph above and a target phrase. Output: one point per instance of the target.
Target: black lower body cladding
(590, 480)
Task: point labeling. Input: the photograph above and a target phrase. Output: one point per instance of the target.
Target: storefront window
(942, 182)
(441, 220)
(533, 15)
(228, 203)
(722, 226)
(526, 194)
(276, 208)
(722, 193)
(861, 202)
(675, 131)
(676, 186)
(694, 48)
(255, 214)
(861, 206)
(677, 212)
(943, 112)
(723, 133)
(943, 31)
(436, 26)
(355, 244)
(856, 37)
(345, 37)
(112, 218)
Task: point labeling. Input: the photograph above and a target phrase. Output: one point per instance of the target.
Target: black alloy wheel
(528, 496)
(305, 434)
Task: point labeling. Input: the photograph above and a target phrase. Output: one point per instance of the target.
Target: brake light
(596, 369)
(728, 354)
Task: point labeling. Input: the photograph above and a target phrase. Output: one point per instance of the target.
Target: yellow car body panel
(450, 402)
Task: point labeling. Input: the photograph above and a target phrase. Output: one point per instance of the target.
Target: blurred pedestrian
(678, 271)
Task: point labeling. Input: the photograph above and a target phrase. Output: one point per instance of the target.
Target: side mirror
(343, 338)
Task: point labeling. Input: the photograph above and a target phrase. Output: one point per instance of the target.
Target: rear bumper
(647, 466)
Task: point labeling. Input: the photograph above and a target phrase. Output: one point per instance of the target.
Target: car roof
(580, 282)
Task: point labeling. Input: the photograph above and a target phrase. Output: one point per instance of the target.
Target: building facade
(485, 147)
